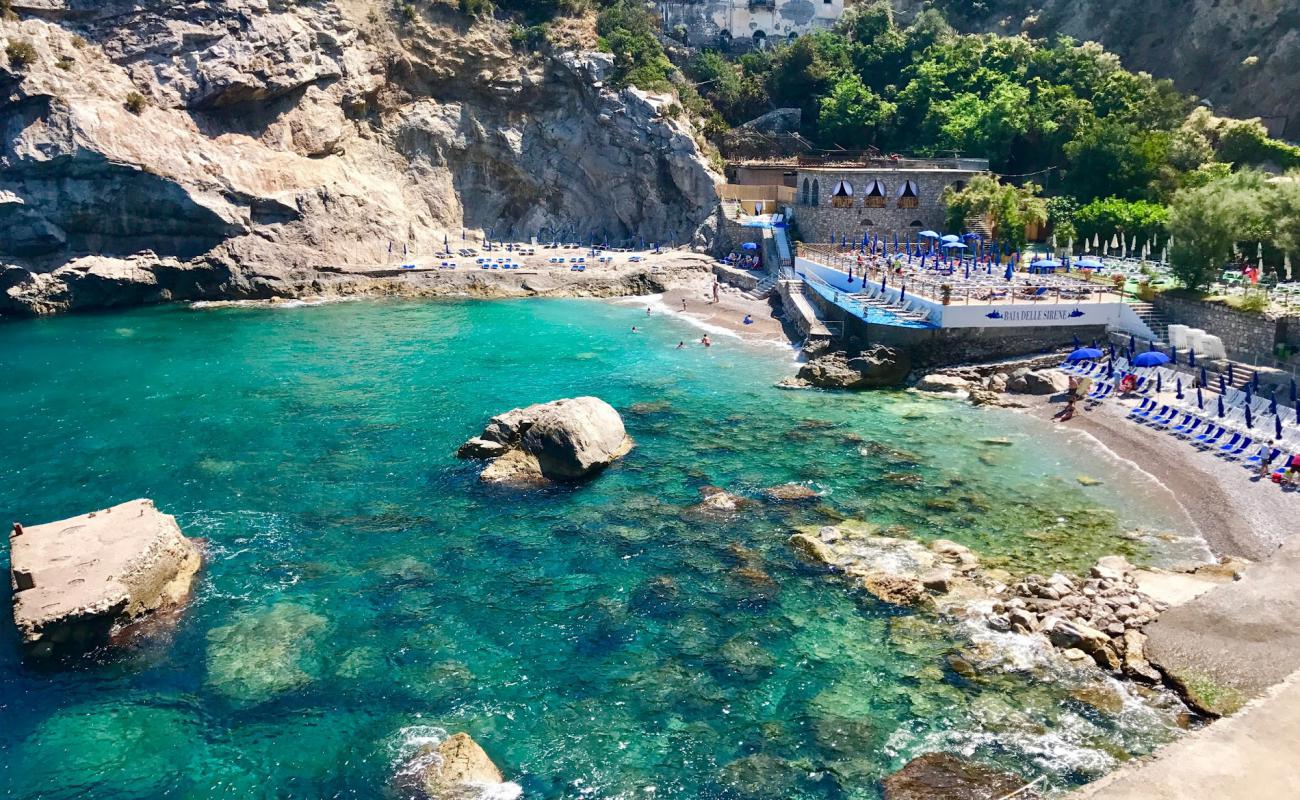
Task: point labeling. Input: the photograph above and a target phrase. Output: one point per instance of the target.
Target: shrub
(477, 8)
(1254, 302)
(79, 42)
(7, 10)
(21, 53)
(65, 62)
(136, 102)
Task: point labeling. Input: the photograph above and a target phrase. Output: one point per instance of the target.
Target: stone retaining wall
(1246, 336)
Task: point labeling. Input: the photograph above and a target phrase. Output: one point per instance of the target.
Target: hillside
(226, 148)
(1241, 55)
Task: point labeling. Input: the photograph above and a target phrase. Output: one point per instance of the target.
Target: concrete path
(1252, 755)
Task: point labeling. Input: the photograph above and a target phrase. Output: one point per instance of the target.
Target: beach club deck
(921, 291)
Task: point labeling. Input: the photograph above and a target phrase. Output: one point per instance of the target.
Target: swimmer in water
(634, 330)
(647, 311)
(681, 345)
(705, 341)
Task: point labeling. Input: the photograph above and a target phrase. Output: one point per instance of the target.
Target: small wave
(413, 751)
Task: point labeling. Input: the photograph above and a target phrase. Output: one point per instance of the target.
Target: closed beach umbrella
(1009, 271)
(1277, 427)
(1200, 399)
(1250, 422)
(902, 293)
(1230, 378)
(1110, 369)
(1223, 386)
(1178, 388)
(1159, 385)
(1272, 402)
(1221, 414)
(883, 276)
(1205, 380)
(1248, 394)
(1293, 390)
(1255, 381)
(1132, 342)
(1191, 359)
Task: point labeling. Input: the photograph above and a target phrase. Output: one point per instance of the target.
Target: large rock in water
(562, 440)
(458, 769)
(875, 368)
(943, 776)
(76, 579)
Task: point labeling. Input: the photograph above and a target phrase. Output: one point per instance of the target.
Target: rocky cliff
(227, 148)
(1241, 55)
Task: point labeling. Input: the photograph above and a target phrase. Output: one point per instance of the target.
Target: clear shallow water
(363, 591)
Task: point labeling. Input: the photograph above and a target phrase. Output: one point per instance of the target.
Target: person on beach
(748, 320)
(683, 304)
(1264, 467)
(704, 340)
(715, 290)
(1128, 384)
(1067, 413)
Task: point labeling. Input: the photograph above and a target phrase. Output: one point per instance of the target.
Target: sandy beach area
(1235, 511)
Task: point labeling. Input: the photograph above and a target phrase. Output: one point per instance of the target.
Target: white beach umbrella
(1114, 241)
(1096, 241)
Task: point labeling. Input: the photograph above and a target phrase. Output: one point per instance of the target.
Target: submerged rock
(265, 653)
(943, 776)
(563, 440)
(717, 502)
(77, 579)
(790, 493)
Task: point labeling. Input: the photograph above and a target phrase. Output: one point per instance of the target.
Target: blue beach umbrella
(1255, 381)
(1178, 388)
(1277, 427)
(1007, 276)
(1205, 379)
(1248, 394)
(883, 276)
(928, 235)
(950, 238)
(749, 246)
(1151, 358)
(1084, 354)
(1159, 386)
(1191, 357)
(1087, 263)
(1132, 342)
(902, 293)
(1272, 402)
(1230, 378)
(1221, 414)
(1200, 400)
(1250, 421)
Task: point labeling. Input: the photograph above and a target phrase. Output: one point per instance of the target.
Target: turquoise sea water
(364, 592)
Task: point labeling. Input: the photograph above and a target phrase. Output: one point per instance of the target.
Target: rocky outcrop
(902, 572)
(215, 159)
(1100, 617)
(456, 769)
(790, 493)
(1039, 382)
(943, 776)
(875, 368)
(941, 384)
(78, 579)
(563, 440)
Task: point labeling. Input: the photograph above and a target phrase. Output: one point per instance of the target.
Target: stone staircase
(765, 287)
(1153, 319)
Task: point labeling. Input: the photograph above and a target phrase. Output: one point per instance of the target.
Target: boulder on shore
(875, 368)
(1042, 382)
(939, 383)
(77, 579)
(563, 440)
(943, 776)
(457, 769)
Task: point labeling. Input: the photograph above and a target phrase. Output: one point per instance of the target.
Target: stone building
(743, 23)
(884, 197)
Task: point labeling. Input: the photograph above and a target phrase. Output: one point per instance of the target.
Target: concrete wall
(1245, 336)
(745, 22)
(817, 223)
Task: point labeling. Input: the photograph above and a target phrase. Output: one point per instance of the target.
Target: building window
(760, 40)
(842, 195)
(907, 196)
(875, 195)
(804, 197)
(816, 194)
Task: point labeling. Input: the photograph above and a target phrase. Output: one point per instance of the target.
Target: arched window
(907, 195)
(804, 199)
(760, 39)
(842, 194)
(816, 194)
(875, 195)
(867, 223)
(724, 40)
(916, 223)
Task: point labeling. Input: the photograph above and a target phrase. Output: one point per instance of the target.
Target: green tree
(628, 31)
(1106, 217)
(852, 115)
(1113, 158)
(1007, 209)
(1205, 223)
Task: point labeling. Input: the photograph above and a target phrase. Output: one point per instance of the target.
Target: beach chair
(1102, 391)
(1232, 442)
(1143, 408)
(1264, 457)
(1188, 423)
(1211, 435)
(1232, 454)
(1198, 427)
(1164, 420)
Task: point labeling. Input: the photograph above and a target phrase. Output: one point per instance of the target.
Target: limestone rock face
(276, 138)
(943, 776)
(562, 440)
(878, 367)
(76, 579)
